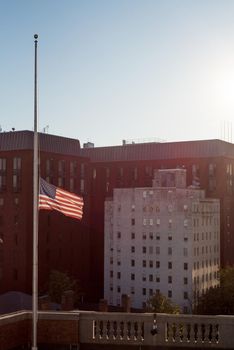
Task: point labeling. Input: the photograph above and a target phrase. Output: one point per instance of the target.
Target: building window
(157, 236)
(111, 274)
(61, 182)
(132, 249)
(118, 235)
(72, 184)
(118, 289)
(118, 275)
(143, 263)
(133, 222)
(133, 235)
(132, 262)
(185, 280)
(157, 279)
(16, 183)
(2, 183)
(169, 250)
(16, 163)
(133, 276)
(157, 264)
(144, 250)
(73, 168)
(49, 166)
(151, 278)
(2, 165)
(151, 264)
(157, 250)
(169, 279)
(185, 266)
(82, 185)
(169, 265)
(169, 294)
(185, 250)
(143, 291)
(185, 295)
(82, 170)
(61, 167)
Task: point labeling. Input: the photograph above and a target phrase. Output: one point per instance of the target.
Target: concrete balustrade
(83, 328)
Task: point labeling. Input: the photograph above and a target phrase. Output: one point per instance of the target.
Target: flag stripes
(54, 198)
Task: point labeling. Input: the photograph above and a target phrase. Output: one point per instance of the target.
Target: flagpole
(35, 211)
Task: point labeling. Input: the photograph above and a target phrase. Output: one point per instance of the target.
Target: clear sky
(119, 69)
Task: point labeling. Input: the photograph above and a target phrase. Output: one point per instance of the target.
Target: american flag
(55, 198)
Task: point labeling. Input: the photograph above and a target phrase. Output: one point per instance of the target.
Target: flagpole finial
(36, 36)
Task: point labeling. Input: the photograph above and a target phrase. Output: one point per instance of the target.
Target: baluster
(108, 329)
(104, 330)
(210, 333)
(193, 333)
(167, 331)
(216, 333)
(203, 332)
(142, 331)
(135, 330)
(188, 332)
(121, 327)
(111, 331)
(94, 329)
(181, 332)
(125, 331)
(100, 329)
(129, 330)
(118, 330)
(174, 332)
(199, 334)
(114, 330)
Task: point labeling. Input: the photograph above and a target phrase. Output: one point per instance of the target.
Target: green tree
(219, 300)
(59, 282)
(160, 304)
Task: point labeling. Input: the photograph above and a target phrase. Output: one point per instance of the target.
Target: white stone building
(165, 238)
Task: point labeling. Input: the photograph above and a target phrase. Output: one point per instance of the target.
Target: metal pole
(35, 211)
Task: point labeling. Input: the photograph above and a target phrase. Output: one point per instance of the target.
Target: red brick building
(63, 241)
(209, 162)
(77, 247)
